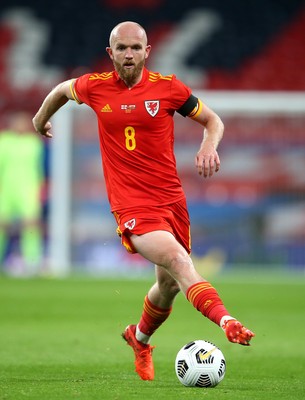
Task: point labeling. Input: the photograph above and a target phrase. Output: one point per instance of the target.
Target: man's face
(128, 53)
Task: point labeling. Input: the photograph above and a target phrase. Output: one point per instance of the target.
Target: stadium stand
(255, 45)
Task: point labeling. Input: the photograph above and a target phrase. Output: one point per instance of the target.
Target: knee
(180, 263)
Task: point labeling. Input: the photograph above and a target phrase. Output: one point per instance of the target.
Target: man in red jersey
(134, 109)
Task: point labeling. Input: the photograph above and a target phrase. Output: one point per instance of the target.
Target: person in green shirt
(21, 179)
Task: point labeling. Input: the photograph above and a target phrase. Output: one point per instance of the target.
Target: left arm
(207, 159)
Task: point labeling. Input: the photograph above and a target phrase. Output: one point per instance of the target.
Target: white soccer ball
(200, 363)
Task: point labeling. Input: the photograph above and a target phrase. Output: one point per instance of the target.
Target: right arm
(58, 97)
(207, 159)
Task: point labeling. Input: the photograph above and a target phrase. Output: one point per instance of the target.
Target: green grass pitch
(60, 339)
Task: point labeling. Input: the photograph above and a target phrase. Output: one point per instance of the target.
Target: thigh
(159, 247)
(162, 249)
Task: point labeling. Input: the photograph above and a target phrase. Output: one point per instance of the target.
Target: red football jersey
(136, 132)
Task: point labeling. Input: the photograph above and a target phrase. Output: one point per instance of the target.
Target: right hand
(45, 130)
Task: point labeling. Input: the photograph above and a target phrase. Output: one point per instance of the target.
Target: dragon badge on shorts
(130, 224)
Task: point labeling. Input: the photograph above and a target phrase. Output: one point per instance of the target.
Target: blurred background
(244, 59)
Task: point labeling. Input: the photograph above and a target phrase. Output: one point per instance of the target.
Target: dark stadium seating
(257, 45)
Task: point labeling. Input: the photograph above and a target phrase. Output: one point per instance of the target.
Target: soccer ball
(200, 363)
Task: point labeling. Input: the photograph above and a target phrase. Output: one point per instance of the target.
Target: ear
(109, 51)
(147, 51)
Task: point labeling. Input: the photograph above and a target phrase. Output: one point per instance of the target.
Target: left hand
(207, 160)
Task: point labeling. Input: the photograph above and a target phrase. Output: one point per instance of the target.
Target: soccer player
(21, 178)
(134, 109)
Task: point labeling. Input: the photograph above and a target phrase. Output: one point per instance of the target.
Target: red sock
(152, 317)
(206, 300)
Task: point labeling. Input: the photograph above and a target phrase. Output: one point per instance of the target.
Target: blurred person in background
(135, 109)
(21, 180)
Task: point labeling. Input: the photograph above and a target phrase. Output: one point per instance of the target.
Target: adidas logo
(106, 108)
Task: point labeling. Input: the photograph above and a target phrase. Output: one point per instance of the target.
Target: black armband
(188, 106)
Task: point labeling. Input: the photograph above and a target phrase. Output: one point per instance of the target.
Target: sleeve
(184, 102)
(81, 89)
